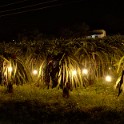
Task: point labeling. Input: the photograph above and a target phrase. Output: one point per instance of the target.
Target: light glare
(108, 78)
(74, 72)
(10, 69)
(35, 72)
(85, 71)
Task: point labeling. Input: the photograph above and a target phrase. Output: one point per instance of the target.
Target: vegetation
(56, 61)
(28, 104)
(29, 68)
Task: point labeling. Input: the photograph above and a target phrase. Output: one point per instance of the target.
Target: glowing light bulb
(110, 68)
(35, 72)
(85, 71)
(108, 78)
(74, 72)
(10, 69)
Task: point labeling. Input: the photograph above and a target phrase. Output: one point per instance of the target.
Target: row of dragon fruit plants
(54, 63)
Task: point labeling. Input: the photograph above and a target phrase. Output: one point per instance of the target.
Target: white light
(74, 72)
(110, 68)
(108, 78)
(35, 72)
(10, 69)
(85, 71)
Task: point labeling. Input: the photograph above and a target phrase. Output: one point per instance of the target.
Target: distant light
(93, 36)
(35, 72)
(108, 78)
(74, 72)
(85, 71)
(10, 69)
(110, 68)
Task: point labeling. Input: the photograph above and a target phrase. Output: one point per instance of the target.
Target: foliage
(99, 56)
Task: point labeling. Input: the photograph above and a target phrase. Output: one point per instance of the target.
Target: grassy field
(64, 60)
(33, 105)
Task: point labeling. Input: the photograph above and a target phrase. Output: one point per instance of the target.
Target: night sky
(50, 16)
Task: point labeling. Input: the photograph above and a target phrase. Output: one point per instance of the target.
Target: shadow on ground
(30, 112)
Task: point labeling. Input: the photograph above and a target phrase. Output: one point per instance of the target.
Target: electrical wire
(29, 6)
(40, 8)
(13, 3)
(31, 10)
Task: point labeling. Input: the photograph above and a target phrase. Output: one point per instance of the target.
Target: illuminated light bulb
(74, 72)
(110, 68)
(85, 71)
(108, 78)
(10, 69)
(35, 72)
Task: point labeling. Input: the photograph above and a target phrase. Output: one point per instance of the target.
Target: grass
(29, 104)
(97, 103)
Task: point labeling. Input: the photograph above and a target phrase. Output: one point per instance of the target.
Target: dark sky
(51, 15)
